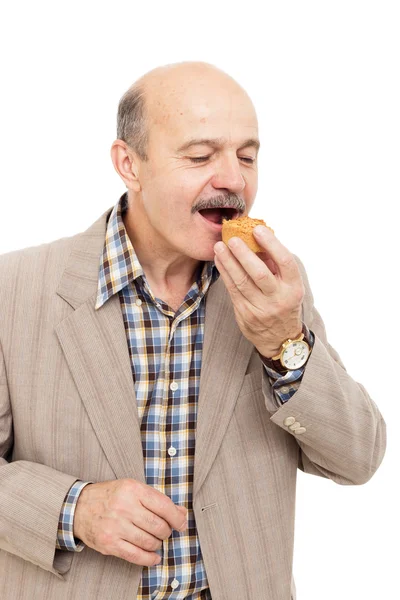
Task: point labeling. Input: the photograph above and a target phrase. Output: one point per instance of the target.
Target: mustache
(221, 201)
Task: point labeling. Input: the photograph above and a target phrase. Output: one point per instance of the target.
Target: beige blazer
(68, 411)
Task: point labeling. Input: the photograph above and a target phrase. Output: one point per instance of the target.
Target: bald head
(178, 75)
(169, 92)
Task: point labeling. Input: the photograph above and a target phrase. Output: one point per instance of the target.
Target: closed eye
(199, 159)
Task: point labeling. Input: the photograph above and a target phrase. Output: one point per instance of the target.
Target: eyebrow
(217, 143)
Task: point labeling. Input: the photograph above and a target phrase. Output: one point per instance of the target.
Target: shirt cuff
(286, 384)
(65, 535)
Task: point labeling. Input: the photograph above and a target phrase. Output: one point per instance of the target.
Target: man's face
(178, 179)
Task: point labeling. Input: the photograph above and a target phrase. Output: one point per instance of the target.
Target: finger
(249, 273)
(265, 257)
(153, 524)
(133, 554)
(254, 265)
(183, 509)
(163, 507)
(239, 301)
(284, 260)
(141, 538)
(271, 266)
(223, 272)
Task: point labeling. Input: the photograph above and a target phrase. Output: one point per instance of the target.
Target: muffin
(243, 228)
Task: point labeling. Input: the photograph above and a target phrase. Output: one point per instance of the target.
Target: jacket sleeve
(341, 433)
(31, 498)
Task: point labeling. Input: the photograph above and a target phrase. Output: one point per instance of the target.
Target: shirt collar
(119, 265)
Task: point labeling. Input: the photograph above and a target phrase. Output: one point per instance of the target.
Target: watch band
(276, 365)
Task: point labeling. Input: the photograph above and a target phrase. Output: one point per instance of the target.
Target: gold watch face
(295, 355)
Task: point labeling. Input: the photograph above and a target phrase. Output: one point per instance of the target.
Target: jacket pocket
(63, 561)
(252, 382)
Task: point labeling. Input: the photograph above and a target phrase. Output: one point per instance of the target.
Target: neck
(165, 268)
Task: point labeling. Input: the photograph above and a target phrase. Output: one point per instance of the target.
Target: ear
(126, 163)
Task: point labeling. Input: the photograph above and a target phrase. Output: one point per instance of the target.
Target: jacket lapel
(95, 347)
(226, 353)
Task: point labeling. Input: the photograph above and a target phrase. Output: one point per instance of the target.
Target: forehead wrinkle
(217, 143)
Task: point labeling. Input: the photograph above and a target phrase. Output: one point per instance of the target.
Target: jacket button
(295, 426)
(289, 421)
(300, 430)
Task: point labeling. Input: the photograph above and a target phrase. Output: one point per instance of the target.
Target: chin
(204, 255)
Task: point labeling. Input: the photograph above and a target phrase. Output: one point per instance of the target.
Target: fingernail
(233, 242)
(219, 247)
(183, 526)
(260, 230)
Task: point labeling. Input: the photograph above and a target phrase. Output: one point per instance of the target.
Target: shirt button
(174, 386)
(138, 302)
(174, 584)
(285, 390)
(172, 451)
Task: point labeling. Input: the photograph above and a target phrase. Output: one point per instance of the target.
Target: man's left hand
(266, 290)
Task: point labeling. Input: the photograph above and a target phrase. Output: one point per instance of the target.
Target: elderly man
(150, 437)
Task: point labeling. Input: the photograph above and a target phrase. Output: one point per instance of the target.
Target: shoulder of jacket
(45, 260)
(60, 246)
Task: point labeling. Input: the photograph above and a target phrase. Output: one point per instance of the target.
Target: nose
(228, 174)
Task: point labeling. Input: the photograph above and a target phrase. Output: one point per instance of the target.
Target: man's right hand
(127, 519)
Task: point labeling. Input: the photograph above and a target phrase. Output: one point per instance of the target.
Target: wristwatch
(293, 354)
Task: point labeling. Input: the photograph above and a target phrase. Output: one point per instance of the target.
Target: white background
(324, 78)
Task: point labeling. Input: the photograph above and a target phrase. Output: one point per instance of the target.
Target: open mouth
(215, 215)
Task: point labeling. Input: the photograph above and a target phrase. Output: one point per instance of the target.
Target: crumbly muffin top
(245, 224)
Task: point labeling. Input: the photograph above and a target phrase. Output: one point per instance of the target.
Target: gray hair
(132, 124)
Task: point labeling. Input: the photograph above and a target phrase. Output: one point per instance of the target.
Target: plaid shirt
(165, 350)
